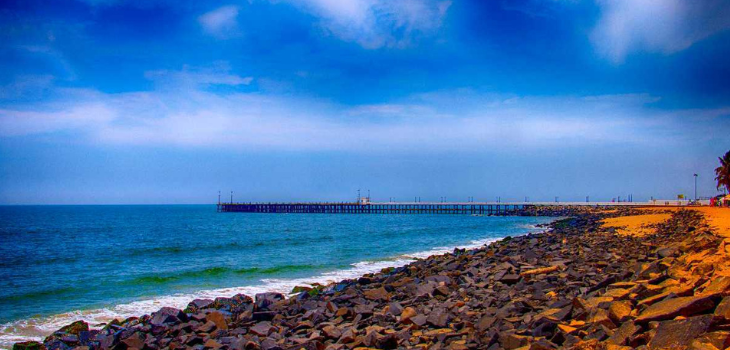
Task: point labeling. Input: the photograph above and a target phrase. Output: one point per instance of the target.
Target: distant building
(364, 200)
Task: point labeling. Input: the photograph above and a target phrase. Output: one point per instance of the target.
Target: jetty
(367, 207)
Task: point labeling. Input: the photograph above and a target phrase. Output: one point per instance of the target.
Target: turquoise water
(61, 263)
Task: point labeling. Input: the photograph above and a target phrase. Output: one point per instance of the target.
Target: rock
(720, 285)
(600, 316)
(418, 320)
(513, 341)
(510, 279)
(270, 344)
(212, 344)
(682, 306)
(206, 327)
(332, 332)
(348, 336)
(218, 319)
(407, 314)
(438, 318)
(168, 315)
(75, 328)
(718, 339)
(262, 329)
(698, 345)
(197, 305)
(619, 311)
(265, 300)
(376, 294)
(679, 333)
(136, 341)
(29, 345)
(723, 309)
(395, 309)
(624, 333)
(485, 323)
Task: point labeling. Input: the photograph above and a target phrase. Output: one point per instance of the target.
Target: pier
(471, 208)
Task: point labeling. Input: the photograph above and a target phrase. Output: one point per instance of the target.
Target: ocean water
(63, 263)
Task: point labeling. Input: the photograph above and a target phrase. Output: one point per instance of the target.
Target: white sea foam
(39, 327)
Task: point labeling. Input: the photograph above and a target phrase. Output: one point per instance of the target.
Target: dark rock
(218, 319)
(723, 309)
(197, 305)
(265, 300)
(679, 333)
(262, 329)
(75, 328)
(418, 320)
(438, 318)
(682, 306)
(167, 315)
(624, 333)
(29, 345)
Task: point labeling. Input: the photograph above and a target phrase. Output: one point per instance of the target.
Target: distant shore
(585, 284)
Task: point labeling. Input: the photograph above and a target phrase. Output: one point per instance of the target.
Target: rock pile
(577, 286)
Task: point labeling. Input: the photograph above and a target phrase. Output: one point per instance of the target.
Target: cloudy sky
(166, 101)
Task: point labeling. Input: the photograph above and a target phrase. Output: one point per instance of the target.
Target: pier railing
(474, 208)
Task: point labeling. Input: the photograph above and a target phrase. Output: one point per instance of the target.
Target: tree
(723, 172)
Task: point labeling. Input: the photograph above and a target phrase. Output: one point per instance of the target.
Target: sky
(171, 101)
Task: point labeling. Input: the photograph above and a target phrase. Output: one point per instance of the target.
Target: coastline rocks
(28, 345)
(167, 315)
(578, 286)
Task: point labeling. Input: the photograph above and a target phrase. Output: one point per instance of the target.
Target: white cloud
(221, 22)
(377, 23)
(181, 111)
(664, 26)
(192, 77)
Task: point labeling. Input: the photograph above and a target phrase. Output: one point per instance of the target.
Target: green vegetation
(723, 172)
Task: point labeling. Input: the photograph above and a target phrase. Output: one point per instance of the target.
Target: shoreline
(97, 317)
(578, 285)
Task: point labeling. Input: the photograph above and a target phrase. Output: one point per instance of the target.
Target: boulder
(262, 329)
(670, 308)
(376, 294)
(167, 315)
(217, 318)
(265, 300)
(29, 345)
(619, 311)
(722, 310)
(678, 334)
(75, 328)
(197, 305)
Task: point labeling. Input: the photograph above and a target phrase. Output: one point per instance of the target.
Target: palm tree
(723, 172)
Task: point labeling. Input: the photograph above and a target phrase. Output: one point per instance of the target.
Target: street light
(695, 187)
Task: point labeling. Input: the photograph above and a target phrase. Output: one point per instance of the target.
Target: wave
(173, 250)
(217, 272)
(38, 327)
(39, 294)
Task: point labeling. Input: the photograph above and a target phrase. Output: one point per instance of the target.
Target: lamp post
(695, 187)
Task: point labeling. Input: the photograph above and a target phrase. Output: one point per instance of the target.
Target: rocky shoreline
(578, 286)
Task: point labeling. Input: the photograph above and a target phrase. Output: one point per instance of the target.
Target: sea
(59, 264)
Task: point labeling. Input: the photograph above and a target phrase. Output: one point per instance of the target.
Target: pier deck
(473, 208)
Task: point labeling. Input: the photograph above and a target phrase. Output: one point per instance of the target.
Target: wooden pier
(374, 208)
(366, 207)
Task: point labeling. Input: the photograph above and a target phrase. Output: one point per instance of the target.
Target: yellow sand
(717, 218)
(636, 225)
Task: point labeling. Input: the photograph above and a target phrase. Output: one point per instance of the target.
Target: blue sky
(127, 101)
